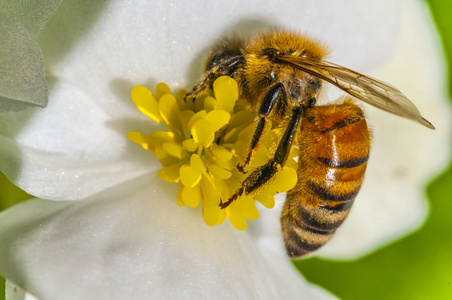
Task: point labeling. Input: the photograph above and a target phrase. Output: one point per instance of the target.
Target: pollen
(206, 139)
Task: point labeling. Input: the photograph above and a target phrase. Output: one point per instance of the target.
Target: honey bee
(280, 76)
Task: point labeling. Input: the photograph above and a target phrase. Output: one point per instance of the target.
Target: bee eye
(271, 53)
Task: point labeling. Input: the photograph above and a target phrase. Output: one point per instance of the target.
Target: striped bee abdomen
(334, 148)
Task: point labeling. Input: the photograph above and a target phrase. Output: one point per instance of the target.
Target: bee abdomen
(301, 240)
(313, 216)
(334, 202)
(334, 149)
(334, 163)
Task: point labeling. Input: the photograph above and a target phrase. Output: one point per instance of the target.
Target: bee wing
(373, 91)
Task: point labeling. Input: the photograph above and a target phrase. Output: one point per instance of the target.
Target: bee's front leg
(203, 84)
(221, 68)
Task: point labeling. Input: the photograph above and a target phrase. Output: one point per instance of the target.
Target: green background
(416, 267)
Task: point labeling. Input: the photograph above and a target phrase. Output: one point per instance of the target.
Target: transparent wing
(373, 91)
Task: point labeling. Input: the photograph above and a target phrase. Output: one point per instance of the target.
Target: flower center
(206, 140)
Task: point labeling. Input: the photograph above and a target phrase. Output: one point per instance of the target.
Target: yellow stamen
(206, 140)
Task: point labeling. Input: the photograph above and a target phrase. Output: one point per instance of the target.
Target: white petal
(145, 42)
(130, 44)
(72, 149)
(404, 156)
(141, 245)
(22, 80)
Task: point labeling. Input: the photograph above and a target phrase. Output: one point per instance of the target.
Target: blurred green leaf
(22, 76)
(441, 10)
(34, 15)
(9, 195)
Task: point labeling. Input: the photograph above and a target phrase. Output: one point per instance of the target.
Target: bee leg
(203, 84)
(257, 136)
(264, 173)
(223, 67)
(269, 101)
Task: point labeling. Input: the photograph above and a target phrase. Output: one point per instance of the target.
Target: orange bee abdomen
(334, 146)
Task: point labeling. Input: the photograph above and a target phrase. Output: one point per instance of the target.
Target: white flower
(128, 239)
